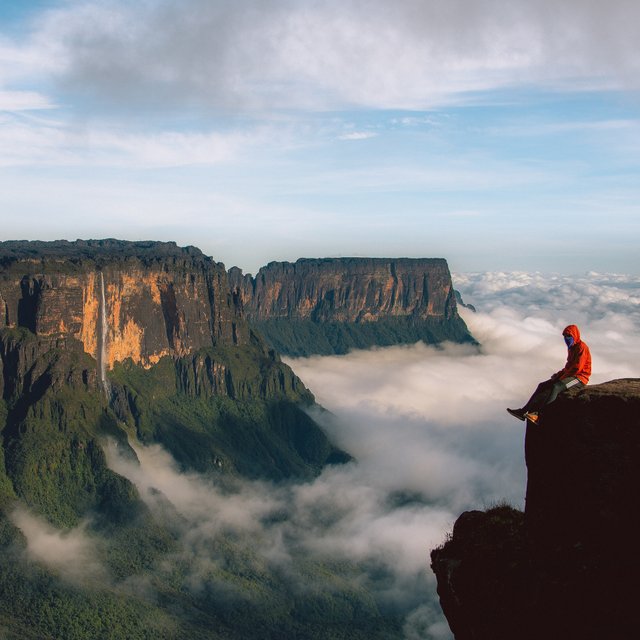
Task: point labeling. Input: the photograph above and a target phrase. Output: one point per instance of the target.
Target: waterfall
(102, 339)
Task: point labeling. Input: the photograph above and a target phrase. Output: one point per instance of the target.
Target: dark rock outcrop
(461, 302)
(331, 305)
(567, 568)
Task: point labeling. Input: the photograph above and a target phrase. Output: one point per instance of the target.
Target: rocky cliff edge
(568, 566)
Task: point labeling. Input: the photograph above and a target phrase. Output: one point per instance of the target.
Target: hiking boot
(518, 413)
(532, 416)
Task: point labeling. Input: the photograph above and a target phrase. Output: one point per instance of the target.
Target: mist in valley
(430, 437)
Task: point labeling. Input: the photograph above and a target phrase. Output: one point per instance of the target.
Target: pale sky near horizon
(499, 135)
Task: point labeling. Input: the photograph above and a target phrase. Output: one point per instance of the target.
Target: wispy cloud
(358, 135)
(33, 141)
(71, 554)
(24, 101)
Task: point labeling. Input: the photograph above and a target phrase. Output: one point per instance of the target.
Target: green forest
(249, 423)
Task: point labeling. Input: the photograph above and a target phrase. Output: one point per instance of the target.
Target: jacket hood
(572, 331)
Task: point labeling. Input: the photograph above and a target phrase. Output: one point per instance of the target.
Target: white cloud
(358, 135)
(606, 307)
(194, 497)
(169, 148)
(23, 101)
(71, 554)
(329, 54)
(31, 58)
(49, 141)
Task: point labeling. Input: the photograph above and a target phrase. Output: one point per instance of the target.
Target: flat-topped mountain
(137, 300)
(331, 305)
(109, 249)
(147, 338)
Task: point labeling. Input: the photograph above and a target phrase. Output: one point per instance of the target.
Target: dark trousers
(548, 391)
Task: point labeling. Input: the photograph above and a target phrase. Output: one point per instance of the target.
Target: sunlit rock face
(159, 299)
(333, 304)
(566, 568)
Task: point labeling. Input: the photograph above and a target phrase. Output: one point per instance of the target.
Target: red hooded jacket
(578, 359)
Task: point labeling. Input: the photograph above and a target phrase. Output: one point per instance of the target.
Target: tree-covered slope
(226, 412)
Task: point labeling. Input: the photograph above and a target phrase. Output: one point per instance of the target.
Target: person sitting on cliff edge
(575, 374)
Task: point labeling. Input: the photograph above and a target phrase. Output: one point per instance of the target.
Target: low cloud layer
(524, 313)
(432, 420)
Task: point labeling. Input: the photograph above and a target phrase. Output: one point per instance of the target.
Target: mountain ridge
(139, 318)
(331, 305)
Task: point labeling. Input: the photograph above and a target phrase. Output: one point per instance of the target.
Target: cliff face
(120, 300)
(331, 305)
(348, 289)
(567, 567)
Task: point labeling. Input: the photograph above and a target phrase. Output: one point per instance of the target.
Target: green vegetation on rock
(227, 412)
(302, 338)
(232, 409)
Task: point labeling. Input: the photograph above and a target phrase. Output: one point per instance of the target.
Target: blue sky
(501, 137)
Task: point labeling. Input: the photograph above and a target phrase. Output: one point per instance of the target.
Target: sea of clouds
(429, 432)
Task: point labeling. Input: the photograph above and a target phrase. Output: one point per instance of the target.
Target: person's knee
(544, 385)
(558, 387)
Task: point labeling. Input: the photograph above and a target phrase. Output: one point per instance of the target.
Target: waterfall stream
(102, 339)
